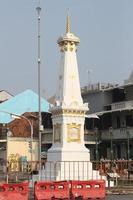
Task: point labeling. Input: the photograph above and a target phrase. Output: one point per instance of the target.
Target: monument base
(70, 170)
(68, 153)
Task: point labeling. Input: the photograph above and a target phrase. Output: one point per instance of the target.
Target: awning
(111, 111)
(92, 116)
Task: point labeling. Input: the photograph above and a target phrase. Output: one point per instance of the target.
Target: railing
(118, 171)
(121, 105)
(3, 137)
(97, 87)
(121, 133)
(47, 131)
(47, 136)
(121, 167)
(91, 137)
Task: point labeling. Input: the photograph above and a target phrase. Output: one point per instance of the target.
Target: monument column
(68, 113)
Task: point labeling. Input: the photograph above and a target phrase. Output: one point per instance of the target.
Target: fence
(120, 171)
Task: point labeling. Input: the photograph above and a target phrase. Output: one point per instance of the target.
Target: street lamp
(38, 9)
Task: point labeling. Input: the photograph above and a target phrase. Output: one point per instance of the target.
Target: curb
(119, 191)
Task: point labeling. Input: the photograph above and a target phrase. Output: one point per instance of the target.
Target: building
(4, 96)
(111, 135)
(18, 135)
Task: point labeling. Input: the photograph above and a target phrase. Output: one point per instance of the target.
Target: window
(129, 120)
(118, 121)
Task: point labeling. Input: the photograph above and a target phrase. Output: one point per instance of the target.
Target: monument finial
(68, 28)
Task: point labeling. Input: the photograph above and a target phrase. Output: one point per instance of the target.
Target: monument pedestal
(70, 152)
(69, 163)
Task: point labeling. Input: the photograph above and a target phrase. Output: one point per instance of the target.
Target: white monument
(68, 151)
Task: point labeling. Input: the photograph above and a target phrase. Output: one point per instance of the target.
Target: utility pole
(39, 88)
(111, 142)
(96, 140)
(89, 71)
(128, 144)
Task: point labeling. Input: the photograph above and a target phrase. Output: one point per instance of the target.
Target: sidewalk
(120, 190)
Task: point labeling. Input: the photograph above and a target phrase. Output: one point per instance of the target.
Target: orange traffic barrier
(91, 189)
(51, 190)
(15, 191)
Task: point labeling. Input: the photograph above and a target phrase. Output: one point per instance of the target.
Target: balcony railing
(47, 137)
(121, 133)
(121, 105)
(3, 137)
(90, 137)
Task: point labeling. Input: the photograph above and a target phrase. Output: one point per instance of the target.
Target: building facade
(111, 134)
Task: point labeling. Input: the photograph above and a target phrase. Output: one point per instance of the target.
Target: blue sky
(105, 28)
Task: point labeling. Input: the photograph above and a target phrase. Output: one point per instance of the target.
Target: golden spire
(68, 28)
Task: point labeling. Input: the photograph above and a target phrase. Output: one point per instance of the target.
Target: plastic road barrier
(91, 189)
(51, 190)
(15, 191)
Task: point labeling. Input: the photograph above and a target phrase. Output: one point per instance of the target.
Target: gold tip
(68, 28)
